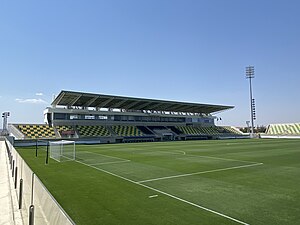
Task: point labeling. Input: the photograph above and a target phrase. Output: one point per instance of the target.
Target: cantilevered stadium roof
(80, 99)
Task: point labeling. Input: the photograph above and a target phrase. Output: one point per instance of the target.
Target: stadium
(104, 159)
(149, 112)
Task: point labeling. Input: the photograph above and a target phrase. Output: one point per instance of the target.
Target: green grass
(232, 183)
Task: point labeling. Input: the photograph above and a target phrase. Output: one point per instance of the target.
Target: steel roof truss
(91, 101)
(103, 104)
(74, 100)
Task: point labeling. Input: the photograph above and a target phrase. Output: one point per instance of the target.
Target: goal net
(62, 150)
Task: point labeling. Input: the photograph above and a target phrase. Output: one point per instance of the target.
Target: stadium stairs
(66, 131)
(13, 129)
(145, 130)
(175, 130)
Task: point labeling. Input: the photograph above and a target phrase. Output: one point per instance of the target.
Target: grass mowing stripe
(105, 163)
(211, 157)
(167, 194)
(201, 172)
(103, 155)
(225, 159)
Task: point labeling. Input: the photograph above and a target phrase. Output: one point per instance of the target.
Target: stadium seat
(284, 129)
(127, 131)
(92, 131)
(232, 130)
(63, 128)
(198, 130)
(35, 131)
(189, 130)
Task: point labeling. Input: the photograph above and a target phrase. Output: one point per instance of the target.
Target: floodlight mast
(250, 76)
(4, 116)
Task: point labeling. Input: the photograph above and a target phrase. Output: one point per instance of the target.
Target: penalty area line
(204, 156)
(167, 194)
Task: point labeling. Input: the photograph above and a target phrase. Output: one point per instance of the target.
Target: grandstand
(284, 129)
(34, 131)
(110, 119)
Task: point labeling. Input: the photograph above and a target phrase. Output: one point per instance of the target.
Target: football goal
(62, 150)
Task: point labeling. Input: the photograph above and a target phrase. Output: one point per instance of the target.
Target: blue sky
(183, 50)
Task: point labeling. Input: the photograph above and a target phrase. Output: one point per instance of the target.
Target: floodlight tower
(248, 126)
(250, 76)
(5, 115)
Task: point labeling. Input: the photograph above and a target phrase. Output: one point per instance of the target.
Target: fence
(36, 204)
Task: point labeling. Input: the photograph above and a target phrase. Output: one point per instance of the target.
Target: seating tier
(127, 131)
(93, 131)
(35, 131)
(284, 129)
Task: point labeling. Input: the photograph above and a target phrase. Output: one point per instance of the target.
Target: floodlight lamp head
(249, 72)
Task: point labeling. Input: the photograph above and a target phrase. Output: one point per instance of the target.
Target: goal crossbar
(63, 150)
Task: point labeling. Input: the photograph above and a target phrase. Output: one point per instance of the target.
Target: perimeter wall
(37, 206)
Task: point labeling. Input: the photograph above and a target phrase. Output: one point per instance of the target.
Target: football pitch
(188, 182)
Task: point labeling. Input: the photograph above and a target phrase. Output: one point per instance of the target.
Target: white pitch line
(153, 196)
(105, 163)
(114, 157)
(225, 159)
(195, 205)
(167, 194)
(203, 156)
(201, 172)
(183, 152)
(176, 152)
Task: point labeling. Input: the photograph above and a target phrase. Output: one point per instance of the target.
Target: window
(74, 117)
(89, 117)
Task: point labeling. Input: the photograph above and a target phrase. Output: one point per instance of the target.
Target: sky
(184, 50)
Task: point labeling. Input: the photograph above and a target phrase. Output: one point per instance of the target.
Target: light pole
(250, 76)
(248, 126)
(4, 116)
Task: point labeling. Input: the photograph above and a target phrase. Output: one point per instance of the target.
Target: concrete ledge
(9, 213)
(6, 212)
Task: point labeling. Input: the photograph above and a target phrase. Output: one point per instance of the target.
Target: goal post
(63, 150)
(40, 145)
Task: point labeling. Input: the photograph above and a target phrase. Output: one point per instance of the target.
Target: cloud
(31, 101)
(39, 94)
